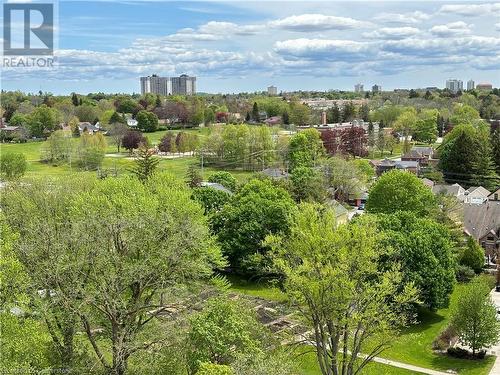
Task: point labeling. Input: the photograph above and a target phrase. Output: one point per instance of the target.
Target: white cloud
(471, 10)
(328, 49)
(403, 18)
(497, 26)
(443, 47)
(317, 22)
(451, 29)
(392, 33)
(225, 28)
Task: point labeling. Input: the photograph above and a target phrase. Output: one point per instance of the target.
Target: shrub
(13, 165)
(132, 139)
(224, 178)
(458, 352)
(446, 338)
(464, 273)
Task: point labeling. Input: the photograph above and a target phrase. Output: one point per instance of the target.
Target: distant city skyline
(244, 46)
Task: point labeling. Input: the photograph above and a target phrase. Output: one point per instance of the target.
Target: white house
(476, 195)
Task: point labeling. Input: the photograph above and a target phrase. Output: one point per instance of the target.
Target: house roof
(88, 125)
(275, 173)
(338, 208)
(427, 151)
(413, 154)
(481, 219)
(403, 164)
(492, 195)
(478, 191)
(216, 186)
(455, 190)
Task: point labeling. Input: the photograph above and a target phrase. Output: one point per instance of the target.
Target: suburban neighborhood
(313, 189)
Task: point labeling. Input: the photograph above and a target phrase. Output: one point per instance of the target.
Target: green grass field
(413, 346)
(122, 161)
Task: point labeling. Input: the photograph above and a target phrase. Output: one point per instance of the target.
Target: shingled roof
(481, 219)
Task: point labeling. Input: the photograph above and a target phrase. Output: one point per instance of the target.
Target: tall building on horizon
(470, 85)
(454, 85)
(376, 89)
(182, 85)
(272, 91)
(358, 87)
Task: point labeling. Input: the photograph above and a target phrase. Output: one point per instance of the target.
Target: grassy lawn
(413, 346)
(121, 161)
(309, 366)
(257, 289)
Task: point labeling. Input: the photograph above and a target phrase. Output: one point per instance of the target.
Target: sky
(245, 46)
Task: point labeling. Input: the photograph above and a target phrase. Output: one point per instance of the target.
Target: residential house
(385, 165)
(88, 127)
(422, 155)
(274, 120)
(476, 195)
(454, 190)
(341, 213)
(482, 222)
(495, 196)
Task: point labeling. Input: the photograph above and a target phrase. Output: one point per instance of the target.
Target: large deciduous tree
(258, 209)
(115, 256)
(400, 191)
(332, 275)
(424, 249)
(474, 316)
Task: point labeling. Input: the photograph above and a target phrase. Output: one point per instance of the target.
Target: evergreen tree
(413, 94)
(158, 101)
(145, 163)
(255, 112)
(115, 118)
(74, 99)
(247, 117)
(495, 147)
(193, 176)
(286, 118)
(335, 114)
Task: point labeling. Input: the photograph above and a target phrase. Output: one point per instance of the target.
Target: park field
(121, 162)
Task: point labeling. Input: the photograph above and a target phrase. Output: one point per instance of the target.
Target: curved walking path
(409, 367)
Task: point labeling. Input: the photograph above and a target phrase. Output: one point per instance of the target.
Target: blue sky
(245, 46)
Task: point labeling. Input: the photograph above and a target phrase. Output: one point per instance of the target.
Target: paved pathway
(409, 367)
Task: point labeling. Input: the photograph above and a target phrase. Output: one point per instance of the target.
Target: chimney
(323, 118)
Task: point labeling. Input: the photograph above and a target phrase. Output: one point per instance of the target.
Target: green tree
(343, 177)
(147, 121)
(406, 124)
(90, 151)
(116, 131)
(258, 209)
(193, 176)
(305, 148)
(87, 112)
(42, 120)
(224, 178)
(308, 185)
(115, 118)
(495, 148)
(223, 330)
(300, 114)
(472, 255)
(424, 250)
(360, 315)
(145, 164)
(466, 157)
(400, 191)
(255, 112)
(13, 165)
(211, 199)
(57, 149)
(474, 316)
(426, 126)
(214, 369)
(132, 250)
